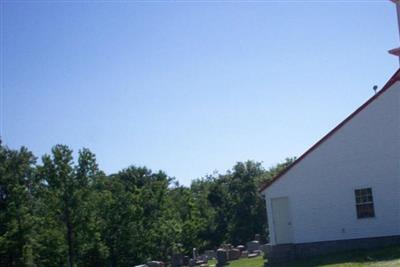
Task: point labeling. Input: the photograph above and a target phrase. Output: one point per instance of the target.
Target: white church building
(344, 192)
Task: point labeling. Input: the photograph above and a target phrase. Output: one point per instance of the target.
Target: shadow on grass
(356, 257)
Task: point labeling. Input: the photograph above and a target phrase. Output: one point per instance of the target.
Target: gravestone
(155, 264)
(245, 253)
(241, 247)
(192, 263)
(177, 260)
(234, 254)
(186, 261)
(210, 254)
(228, 246)
(253, 246)
(195, 254)
(264, 249)
(202, 259)
(221, 257)
(253, 255)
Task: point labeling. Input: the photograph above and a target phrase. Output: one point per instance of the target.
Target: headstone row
(225, 253)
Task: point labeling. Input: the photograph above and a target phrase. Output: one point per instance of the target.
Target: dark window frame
(364, 203)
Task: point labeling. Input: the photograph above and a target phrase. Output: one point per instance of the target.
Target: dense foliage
(58, 212)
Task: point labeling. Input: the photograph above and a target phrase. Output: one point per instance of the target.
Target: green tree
(137, 225)
(17, 184)
(90, 247)
(62, 213)
(247, 218)
(273, 171)
(68, 204)
(57, 173)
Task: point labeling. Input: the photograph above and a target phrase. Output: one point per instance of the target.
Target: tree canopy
(61, 212)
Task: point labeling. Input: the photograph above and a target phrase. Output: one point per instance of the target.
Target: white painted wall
(365, 152)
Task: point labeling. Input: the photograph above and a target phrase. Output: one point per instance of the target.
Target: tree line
(58, 211)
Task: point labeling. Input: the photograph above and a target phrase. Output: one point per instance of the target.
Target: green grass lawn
(377, 258)
(387, 257)
(254, 262)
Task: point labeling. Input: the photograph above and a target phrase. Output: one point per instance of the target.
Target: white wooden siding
(365, 152)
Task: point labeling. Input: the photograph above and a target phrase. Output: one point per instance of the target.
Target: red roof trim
(392, 80)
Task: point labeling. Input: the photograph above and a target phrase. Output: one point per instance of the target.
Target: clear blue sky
(188, 87)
